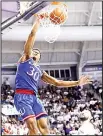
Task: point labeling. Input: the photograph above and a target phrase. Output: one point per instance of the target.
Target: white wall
(59, 53)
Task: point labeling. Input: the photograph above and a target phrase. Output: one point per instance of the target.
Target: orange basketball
(58, 16)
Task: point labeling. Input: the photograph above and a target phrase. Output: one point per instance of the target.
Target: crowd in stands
(63, 106)
(11, 126)
(97, 87)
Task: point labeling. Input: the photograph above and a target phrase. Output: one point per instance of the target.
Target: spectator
(62, 105)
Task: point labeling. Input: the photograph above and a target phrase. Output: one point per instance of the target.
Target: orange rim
(58, 3)
(55, 3)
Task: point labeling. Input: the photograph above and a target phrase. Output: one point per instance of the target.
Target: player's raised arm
(31, 39)
(51, 80)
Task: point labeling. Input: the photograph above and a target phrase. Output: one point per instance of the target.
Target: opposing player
(27, 78)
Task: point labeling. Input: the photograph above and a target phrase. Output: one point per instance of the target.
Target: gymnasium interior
(77, 51)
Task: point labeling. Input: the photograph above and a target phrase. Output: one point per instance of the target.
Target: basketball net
(52, 30)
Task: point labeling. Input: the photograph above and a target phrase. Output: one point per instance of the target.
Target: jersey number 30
(33, 73)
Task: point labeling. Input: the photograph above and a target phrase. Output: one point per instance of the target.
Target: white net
(52, 22)
(51, 33)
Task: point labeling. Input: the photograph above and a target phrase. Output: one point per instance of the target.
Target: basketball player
(27, 78)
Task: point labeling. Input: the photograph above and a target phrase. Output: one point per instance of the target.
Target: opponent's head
(85, 115)
(36, 55)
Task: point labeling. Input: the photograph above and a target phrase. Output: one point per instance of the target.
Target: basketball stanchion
(54, 15)
(21, 17)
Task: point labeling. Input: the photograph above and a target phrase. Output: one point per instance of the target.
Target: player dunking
(27, 78)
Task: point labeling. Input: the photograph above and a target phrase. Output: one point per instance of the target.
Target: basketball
(58, 16)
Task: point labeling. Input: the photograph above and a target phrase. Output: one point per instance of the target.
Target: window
(52, 73)
(73, 72)
(57, 73)
(47, 71)
(62, 73)
(67, 73)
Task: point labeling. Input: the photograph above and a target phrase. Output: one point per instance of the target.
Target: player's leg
(32, 126)
(41, 117)
(24, 104)
(43, 125)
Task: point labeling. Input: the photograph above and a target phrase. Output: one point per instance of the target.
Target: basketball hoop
(52, 29)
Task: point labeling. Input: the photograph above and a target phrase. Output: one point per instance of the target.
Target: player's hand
(37, 18)
(41, 16)
(84, 80)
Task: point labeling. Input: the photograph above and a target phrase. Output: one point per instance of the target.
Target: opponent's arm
(51, 80)
(31, 39)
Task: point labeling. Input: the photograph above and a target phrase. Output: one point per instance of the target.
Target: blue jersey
(28, 75)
